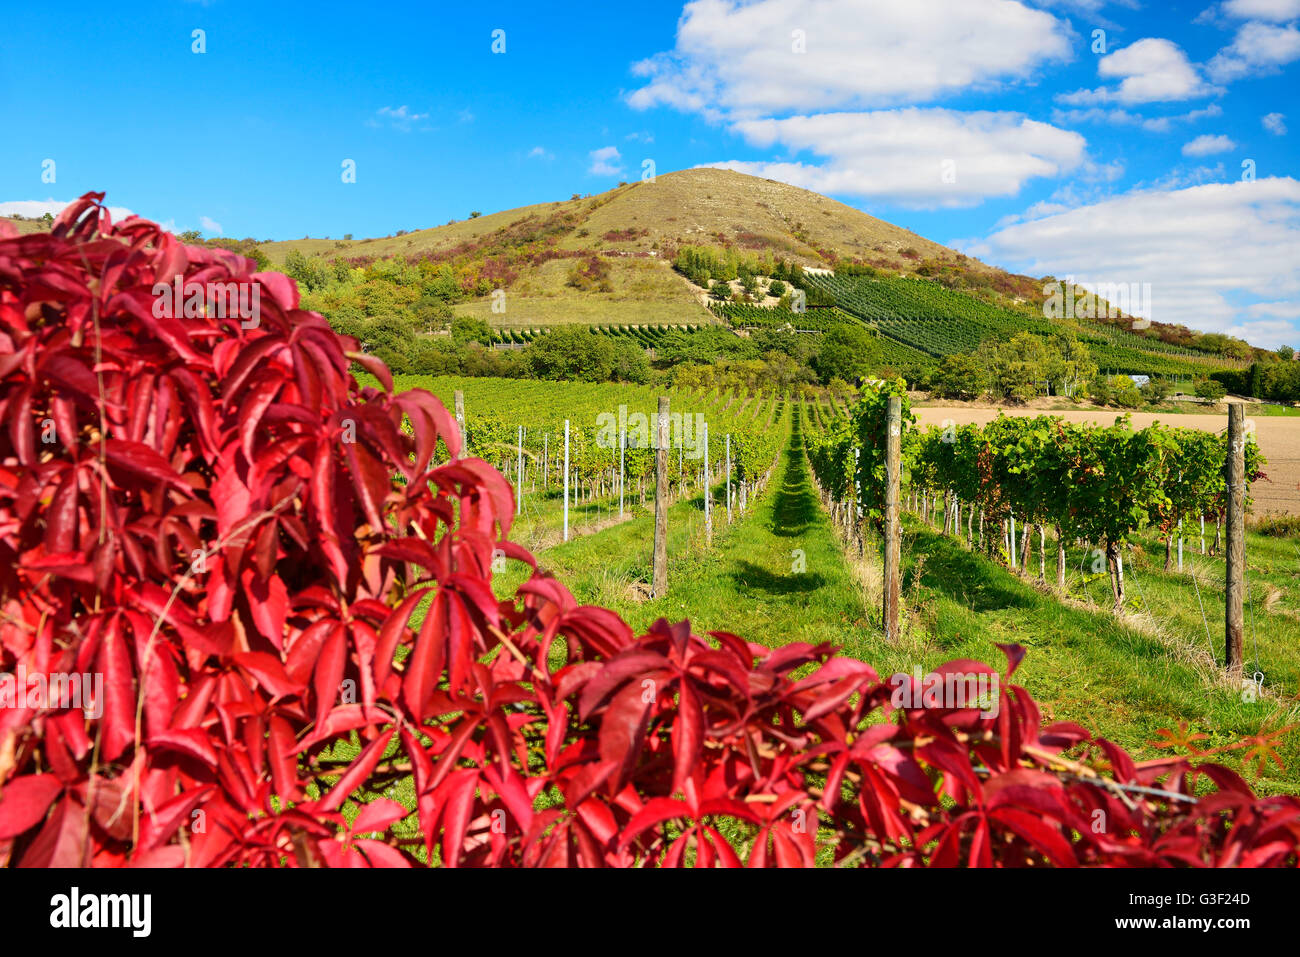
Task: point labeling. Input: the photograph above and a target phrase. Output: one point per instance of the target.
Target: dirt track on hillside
(1278, 436)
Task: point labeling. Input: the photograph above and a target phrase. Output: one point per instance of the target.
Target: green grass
(747, 583)
(1129, 678)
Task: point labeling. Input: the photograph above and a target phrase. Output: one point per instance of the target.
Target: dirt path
(1278, 436)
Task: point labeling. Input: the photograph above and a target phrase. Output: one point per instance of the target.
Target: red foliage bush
(215, 517)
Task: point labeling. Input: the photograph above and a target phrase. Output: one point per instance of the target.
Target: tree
(959, 377)
(475, 215)
(629, 362)
(309, 271)
(1015, 367)
(1285, 353)
(776, 288)
(1069, 364)
(466, 329)
(1123, 392)
(1211, 390)
(1155, 390)
(844, 353)
(1256, 380)
(570, 352)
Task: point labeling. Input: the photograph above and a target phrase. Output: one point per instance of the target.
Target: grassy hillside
(24, 226)
(701, 206)
(634, 231)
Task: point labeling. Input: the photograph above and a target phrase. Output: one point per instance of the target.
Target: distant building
(1140, 380)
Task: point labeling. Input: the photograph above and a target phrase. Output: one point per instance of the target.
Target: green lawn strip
(778, 577)
(606, 567)
(1087, 666)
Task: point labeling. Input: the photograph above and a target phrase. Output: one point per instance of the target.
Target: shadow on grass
(747, 574)
(795, 506)
(967, 577)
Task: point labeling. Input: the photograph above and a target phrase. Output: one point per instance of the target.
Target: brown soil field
(1278, 437)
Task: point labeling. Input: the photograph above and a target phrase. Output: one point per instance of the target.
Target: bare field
(1278, 437)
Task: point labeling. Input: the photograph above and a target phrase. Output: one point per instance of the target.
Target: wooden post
(708, 492)
(659, 586)
(519, 474)
(460, 420)
(893, 442)
(1180, 544)
(1235, 467)
(566, 480)
(622, 451)
(1011, 537)
(546, 457)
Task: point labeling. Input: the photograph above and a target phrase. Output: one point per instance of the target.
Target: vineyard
(1079, 505)
(519, 427)
(750, 316)
(323, 644)
(886, 352)
(938, 321)
(647, 336)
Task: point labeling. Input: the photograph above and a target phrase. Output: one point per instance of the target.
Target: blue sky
(1007, 128)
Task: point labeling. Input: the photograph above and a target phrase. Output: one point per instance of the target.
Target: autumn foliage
(285, 581)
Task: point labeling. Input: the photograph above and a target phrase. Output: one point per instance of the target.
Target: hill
(634, 230)
(607, 261)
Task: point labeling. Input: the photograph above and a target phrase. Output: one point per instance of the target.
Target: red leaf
(24, 801)
(114, 662)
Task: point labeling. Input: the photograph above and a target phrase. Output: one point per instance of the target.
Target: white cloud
(605, 162)
(1180, 177)
(1208, 145)
(740, 58)
(1275, 310)
(1275, 123)
(1257, 49)
(1207, 252)
(540, 152)
(400, 118)
(1151, 70)
(914, 157)
(210, 225)
(36, 208)
(1275, 10)
(1120, 117)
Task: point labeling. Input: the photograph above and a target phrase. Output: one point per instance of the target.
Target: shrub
(286, 585)
(1155, 390)
(1211, 390)
(1278, 526)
